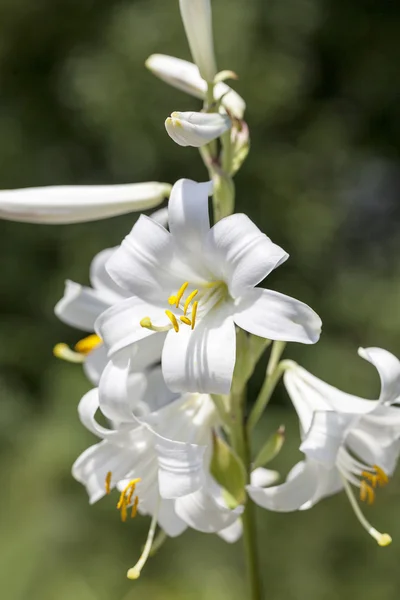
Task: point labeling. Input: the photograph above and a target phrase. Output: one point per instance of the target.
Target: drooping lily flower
(195, 128)
(185, 76)
(197, 21)
(347, 441)
(157, 454)
(197, 283)
(76, 204)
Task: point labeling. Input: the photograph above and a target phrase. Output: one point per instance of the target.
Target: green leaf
(228, 470)
(271, 448)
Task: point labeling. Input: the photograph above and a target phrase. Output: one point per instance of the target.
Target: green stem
(240, 443)
(273, 375)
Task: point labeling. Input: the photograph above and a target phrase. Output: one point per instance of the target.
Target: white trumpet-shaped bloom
(347, 441)
(196, 283)
(196, 128)
(77, 204)
(185, 76)
(197, 21)
(162, 443)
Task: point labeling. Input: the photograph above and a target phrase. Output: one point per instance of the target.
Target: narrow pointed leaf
(228, 470)
(271, 448)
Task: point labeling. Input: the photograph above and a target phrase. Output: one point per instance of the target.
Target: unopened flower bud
(185, 76)
(196, 17)
(196, 128)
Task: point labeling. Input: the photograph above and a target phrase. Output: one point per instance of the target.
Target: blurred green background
(320, 78)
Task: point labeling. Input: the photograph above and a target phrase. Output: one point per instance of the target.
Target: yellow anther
(173, 320)
(186, 320)
(366, 492)
(188, 300)
(108, 482)
(180, 293)
(371, 477)
(381, 476)
(87, 344)
(125, 499)
(134, 507)
(194, 313)
(172, 300)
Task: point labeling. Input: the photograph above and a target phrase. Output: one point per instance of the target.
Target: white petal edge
(388, 367)
(80, 306)
(292, 494)
(274, 316)
(241, 253)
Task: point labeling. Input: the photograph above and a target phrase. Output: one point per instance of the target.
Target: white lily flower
(197, 21)
(157, 454)
(77, 204)
(197, 283)
(196, 128)
(348, 441)
(81, 305)
(185, 76)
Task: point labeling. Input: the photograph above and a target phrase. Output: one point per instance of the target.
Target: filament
(383, 539)
(134, 572)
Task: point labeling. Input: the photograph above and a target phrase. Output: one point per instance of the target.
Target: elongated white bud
(197, 21)
(196, 128)
(77, 204)
(185, 76)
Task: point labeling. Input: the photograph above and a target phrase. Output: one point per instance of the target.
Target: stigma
(81, 349)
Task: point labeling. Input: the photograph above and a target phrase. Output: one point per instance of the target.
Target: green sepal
(271, 448)
(228, 470)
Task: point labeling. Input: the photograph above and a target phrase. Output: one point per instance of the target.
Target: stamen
(366, 493)
(188, 301)
(180, 293)
(125, 499)
(194, 313)
(87, 344)
(147, 324)
(372, 477)
(108, 482)
(172, 300)
(186, 320)
(65, 353)
(382, 478)
(134, 572)
(134, 507)
(383, 539)
(173, 320)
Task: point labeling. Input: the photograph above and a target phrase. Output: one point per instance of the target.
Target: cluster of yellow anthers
(176, 301)
(125, 498)
(374, 478)
(80, 351)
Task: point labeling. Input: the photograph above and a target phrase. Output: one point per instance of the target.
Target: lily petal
(241, 253)
(181, 467)
(101, 280)
(274, 316)
(263, 477)
(185, 76)
(77, 204)
(95, 363)
(201, 360)
(232, 533)
(188, 216)
(141, 264)
(388, 367)
(292, 494)
(326, 435)
(196, 128)
(112, 323)
(93, 465)
(80, 306)
(202, 511)
(113, 388)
